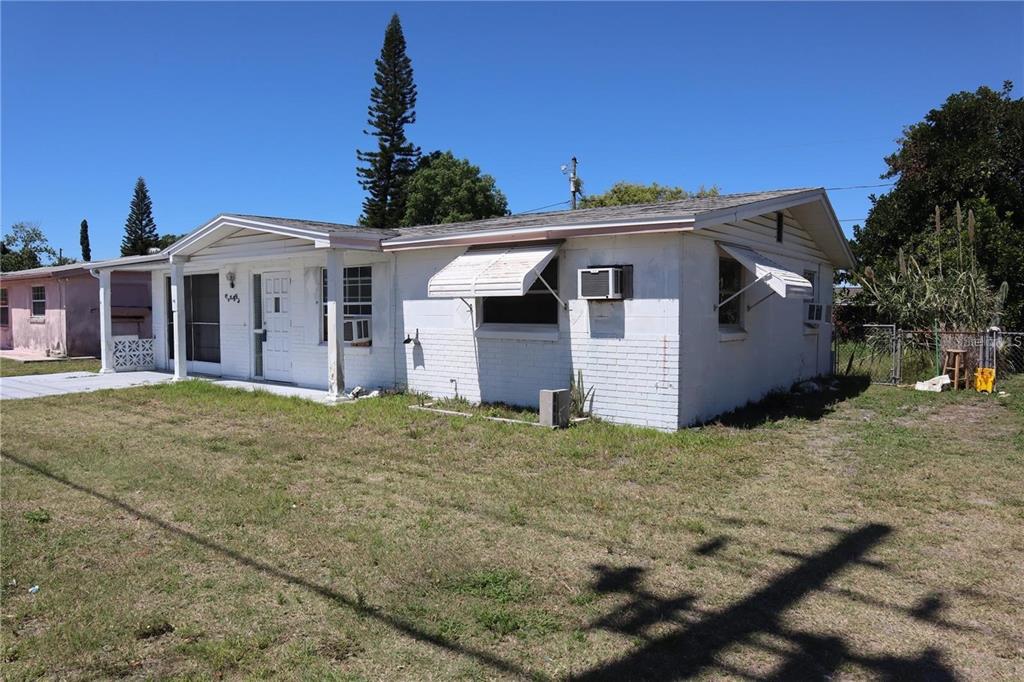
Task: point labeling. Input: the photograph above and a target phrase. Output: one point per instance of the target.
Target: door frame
(252, 318)
(191, 366)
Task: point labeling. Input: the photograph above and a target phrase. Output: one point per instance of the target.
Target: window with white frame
(38, 301)
(5, 309)
(813, 309)
(730, 283)
(357, 303)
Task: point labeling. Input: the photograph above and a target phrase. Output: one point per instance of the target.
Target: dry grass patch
(190, 530)
(13, 368)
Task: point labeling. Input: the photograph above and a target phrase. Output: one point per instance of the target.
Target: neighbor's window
(38, 301)
(357, 299)
(5, 309)
(811, 307)
(730, 280)
(812, 277)
(538, 306)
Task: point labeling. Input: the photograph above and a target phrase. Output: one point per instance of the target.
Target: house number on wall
(231, 297)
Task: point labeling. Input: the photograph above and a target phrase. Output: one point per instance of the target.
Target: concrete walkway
(39, 385)
(314, 394)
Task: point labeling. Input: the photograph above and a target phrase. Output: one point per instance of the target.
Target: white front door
(277, 363)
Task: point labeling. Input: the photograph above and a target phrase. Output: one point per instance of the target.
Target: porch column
(335, 324)
(178, 317)
(106, 325)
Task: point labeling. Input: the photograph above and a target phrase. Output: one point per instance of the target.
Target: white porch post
(335, 324)
(178, 317)
(106, 325)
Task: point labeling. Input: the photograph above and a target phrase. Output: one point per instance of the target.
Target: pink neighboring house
(55, 310)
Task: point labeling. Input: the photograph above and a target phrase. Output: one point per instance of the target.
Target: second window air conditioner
(357, 329)
(612, 282)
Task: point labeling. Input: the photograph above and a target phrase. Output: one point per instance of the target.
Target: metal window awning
(783, 282)
(505, 271)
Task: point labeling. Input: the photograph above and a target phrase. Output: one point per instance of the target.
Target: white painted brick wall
(628, 351)
(369, 367)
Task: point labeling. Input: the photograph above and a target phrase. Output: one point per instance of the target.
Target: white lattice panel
(132, 353)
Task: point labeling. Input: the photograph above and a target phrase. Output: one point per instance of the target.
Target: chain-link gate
(890, 355)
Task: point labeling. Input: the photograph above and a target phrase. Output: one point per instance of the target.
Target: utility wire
(887, 184)
(541, 208)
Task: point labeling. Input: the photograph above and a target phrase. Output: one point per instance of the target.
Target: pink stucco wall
(72, 320)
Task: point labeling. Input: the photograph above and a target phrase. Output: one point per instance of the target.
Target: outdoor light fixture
(231, 279)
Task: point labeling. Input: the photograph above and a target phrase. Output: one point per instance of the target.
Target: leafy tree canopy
(445, 189)
(624, 193)
(950, 292)
(24, 247)
(384, 172)
(971, 151)
(167, 239)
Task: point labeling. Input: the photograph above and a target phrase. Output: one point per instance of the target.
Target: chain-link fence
(891, 355)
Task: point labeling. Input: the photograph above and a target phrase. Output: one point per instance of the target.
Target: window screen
(5, 309)
(38, 301)
(202, 318)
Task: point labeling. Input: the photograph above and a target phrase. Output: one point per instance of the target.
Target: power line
(850, 220)
(887, 184)
(541, 208)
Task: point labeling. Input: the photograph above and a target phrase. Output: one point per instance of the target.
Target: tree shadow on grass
(693, 646)
(697, 636)
(780, 405)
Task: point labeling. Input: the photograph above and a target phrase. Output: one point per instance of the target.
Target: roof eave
(535, 234)
(49, 274)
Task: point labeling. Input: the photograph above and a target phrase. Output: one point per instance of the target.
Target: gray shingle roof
(682, 209)
(46, 271)
(319, 225)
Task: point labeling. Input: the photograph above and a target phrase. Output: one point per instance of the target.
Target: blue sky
(259, 107)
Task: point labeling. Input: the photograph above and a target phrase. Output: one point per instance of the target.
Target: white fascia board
(147, 262)
(737, 213)
(209, 233)
(350, 242)
(533, 234)
(837, 228)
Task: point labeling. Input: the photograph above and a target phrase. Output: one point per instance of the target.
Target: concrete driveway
(39, 385)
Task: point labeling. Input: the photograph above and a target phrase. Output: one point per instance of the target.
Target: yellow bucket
(984, 379)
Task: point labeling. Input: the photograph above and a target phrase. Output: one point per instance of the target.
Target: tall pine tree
(83, 239)
(140, 229)
(392, 106)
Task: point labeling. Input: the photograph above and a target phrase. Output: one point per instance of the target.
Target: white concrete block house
(722, 300)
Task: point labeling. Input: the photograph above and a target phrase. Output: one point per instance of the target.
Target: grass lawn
(13, 368)
(187, 530)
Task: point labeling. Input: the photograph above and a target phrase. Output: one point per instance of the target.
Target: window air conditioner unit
(814, 311)
(606, 283)
(357, 329)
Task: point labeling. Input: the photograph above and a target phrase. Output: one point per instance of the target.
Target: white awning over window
(782, 281)
(502, 271)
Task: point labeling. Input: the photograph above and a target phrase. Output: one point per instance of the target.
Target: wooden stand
(953, 361)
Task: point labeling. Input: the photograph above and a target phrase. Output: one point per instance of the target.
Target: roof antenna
(575, 183)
